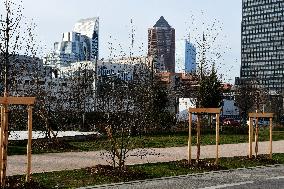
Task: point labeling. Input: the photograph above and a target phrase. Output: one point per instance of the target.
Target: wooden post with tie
(199, 111)
(257, 116)
(4, 102)
(29, 145)
(217, 138)
(189, 138)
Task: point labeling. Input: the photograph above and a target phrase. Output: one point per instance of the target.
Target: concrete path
(75, 160)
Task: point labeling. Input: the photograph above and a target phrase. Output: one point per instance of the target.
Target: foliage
(124, 106)
(250, 98)
(60, 102)
(210, 91)
(15, 36)
(160, 97)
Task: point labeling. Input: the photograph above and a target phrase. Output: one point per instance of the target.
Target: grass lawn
(180, 139)
(83, 177)
(150, 141)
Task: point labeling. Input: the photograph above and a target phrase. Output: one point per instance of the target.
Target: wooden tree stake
(256, 138)
(5, 101)
(189, 139)
(29, 145)
(250, 137)
(259, 115)
(1, 141)
(270, 138)
(199, 111)
(4, 147)
(217, 139)
(198, 138)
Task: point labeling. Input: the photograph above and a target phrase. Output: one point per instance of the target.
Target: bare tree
(250, 97)
(210, 52)
(124, 105)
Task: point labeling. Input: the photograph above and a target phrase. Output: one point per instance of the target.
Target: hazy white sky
(53, 17)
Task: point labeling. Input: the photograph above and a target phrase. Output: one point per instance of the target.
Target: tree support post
(4, 145)
(1, 142)
(4, 102)
(217, 138)
(29, 145)
(259, 115)
(256, 138)
(250, 137)
(270, 138)
(198, 111)
(198, 138)
(189, 139)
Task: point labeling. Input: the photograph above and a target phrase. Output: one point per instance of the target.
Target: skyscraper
(161, 44)
(90, 28)
(79, 45)
(185, 57)
(262, 52)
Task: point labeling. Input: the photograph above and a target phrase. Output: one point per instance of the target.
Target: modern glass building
(161, 44)
(90, 28)
(262, 51)
(79, 45)
(185, 57)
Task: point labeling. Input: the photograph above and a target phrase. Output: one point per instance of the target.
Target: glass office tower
(262, 51)
(185, 57)
(90, 28)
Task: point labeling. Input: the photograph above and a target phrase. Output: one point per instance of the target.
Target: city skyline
(116, 27)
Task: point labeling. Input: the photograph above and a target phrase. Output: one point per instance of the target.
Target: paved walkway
(75, 160)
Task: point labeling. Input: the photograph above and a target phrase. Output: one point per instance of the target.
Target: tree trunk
(114, 147)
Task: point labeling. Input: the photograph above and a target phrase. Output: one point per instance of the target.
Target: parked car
(260, 122)
(231, 122)
(263, 123)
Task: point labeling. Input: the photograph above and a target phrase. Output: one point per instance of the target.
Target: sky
(53, 17)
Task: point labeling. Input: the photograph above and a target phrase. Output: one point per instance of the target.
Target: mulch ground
(18, 182)
(125, 174)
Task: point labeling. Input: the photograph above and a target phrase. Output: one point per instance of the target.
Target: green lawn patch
(105, 174)
(179, 140)
(148, 141)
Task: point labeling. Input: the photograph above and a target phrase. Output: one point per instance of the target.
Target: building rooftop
(162, 23)
(88, 19)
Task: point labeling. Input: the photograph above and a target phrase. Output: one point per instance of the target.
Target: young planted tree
(123, 105)
(210, 91)
(209, 53)
(209, 96)
(250, 98)
(16, 37)
(125, 99)
(22, 73)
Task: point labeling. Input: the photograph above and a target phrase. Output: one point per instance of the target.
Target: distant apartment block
(262, 40)
(79, 45)
(161, 45)
(185, 57)
(82, 79)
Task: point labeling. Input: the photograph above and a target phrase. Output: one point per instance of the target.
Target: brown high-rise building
(161, 45)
